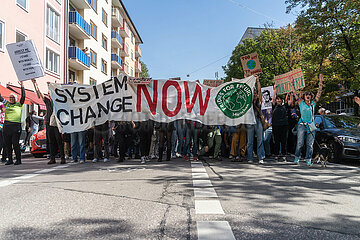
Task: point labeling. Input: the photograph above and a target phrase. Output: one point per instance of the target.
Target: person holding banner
(165, 134)
(257, 128)
(12, 125)
(52, 133)
(306, 126)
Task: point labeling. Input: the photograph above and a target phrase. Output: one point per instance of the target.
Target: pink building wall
(31, 22)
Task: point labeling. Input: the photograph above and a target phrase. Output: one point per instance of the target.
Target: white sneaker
(82, 161)
(178, 155)
(95, 160)
(67, 157)
(106, 160)
(250, 161)
(143, 160)
(261, 161)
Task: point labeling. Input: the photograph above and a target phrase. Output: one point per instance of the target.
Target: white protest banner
(267, 93)
(212, 82)
(80, 107)
(134, 80)
(284, 81)
(25, 60)
(251, 64)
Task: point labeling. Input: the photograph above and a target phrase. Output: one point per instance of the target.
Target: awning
(5, 93)
(30, 95)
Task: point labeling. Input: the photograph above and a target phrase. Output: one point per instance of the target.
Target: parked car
(341, 134)
(38, 144)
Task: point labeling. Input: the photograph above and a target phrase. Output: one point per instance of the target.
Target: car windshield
(342, 121)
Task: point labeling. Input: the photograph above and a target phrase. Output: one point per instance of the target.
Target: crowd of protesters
(287, 128)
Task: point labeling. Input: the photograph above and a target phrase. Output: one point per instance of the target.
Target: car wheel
(334, 154)
(38, 155)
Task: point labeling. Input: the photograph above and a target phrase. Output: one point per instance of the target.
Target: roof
(252, 32)
(132, 24)
(30, 96)
(5, 93)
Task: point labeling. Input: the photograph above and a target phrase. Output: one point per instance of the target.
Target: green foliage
(144, 70)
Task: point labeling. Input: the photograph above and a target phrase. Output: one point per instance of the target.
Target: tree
(335, 26)
(144, 70)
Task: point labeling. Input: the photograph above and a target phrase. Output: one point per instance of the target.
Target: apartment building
(41, 21)
(103, 41)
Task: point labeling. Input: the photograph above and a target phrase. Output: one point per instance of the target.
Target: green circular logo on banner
(234, 99)
(251, 64)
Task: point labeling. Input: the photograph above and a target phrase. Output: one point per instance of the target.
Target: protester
(52, 132)
(12, 125)
(238, 139)
(357, 100)
(306, 128)
(2, 143)
(145, 131)
(322, 111)
(192, 130)
(34, 122)
(179, 127)
(124, 133)
(257, 128)
(165, 135)
(279, 125)
(101, 133)
(211, 140)
(78, 141)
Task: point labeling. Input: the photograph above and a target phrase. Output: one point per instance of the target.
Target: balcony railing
(76, 18)
(137, 50)
(124, 30)
(116, 35)
(78, 54)
(117, 18)
(116, 58)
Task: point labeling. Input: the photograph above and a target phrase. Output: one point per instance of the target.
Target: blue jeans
(267, 139)
(173, 142)
(180, 134)
(191, 134)
(251, 130)
(78, 145)
(302, 133)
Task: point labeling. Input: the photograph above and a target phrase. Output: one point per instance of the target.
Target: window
(52, 24)
(92, 81)
(94, 5)
(132, 37)
(104, 17)
(103, 66)
(132, 71)
(20, 37)
(72, 76)
(22, 3)
(104, 42)
(2, 35)
(93, 30)
(132, 54)
(93, 58)
(52, 61)
(72, 42)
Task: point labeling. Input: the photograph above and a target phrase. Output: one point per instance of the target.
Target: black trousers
(280, 134)
(165, 135)
(12, 132)
(101, 132)
(124, 140)
(2, 146)
(55, 141)
(145, 140)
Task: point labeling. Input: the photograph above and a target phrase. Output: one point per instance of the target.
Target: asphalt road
(178, 200)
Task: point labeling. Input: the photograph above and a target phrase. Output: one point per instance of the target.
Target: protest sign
(251, 64)
(283, 82)
(80, 107)
(133, 80)
(267, 93)
(25, 60)
(212, 82)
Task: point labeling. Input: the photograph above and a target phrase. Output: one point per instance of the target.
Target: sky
(182, 36)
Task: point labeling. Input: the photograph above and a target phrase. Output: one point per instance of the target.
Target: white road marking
(198, 169)
(205, 193)
(202, 183)
(214, 230)
(11, 181)
(200, 175)
(208, 207)
(197, 164)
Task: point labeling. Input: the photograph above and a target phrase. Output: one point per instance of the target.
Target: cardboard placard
(212, 82)
(134, 80)
(284, 81)
(25, 60)
(251, 64)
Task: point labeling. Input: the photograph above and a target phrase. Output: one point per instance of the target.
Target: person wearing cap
(12, 125)
(307, 105)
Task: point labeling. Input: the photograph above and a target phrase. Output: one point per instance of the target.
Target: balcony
(116, 61)
(124, 51)
(78, 27)
(138, 67)
(137, 51)
(78, 60)
(116, 40)
(124, 30)
(116, 18)
(81, 4)
(124, 69)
